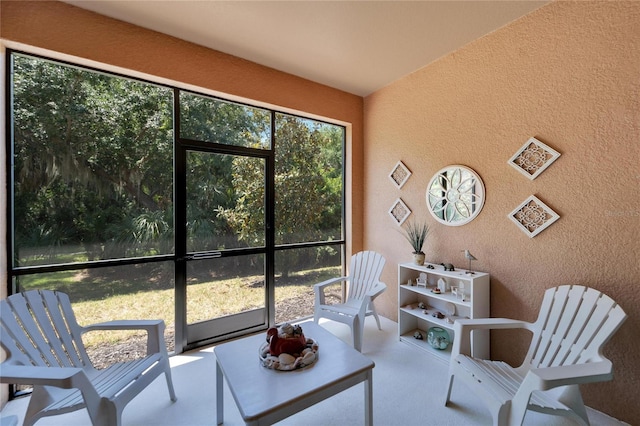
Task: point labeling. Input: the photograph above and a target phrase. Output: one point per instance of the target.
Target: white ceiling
(356, 46)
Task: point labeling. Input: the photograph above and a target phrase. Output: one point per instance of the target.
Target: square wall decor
(400, 174)
(533, 158)
(399, 212)
(533, 216)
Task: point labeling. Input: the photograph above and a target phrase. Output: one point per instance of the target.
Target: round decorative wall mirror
(455, 195)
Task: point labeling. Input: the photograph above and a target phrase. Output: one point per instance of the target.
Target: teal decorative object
(438, 338)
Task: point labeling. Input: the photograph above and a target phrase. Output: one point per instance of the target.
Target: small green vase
(438, 338)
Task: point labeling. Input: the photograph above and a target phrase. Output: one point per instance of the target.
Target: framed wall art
(533, 216)
(400, 174)
(399, 212)
(533, 158)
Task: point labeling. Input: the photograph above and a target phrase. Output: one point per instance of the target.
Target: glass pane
(308, 180)
(144, 291)
(224, 286)
(225, 201)
(297, 271)
(213, 120)
(93, 165)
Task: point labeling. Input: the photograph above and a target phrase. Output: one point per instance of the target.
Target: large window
(93, 156)
(308, 208)
(108, 197)
(308, 184)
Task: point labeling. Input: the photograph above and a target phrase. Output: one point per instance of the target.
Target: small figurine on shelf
(469, 257)
(417, 335)
(421, 281)
(448, 267)
(461, 293)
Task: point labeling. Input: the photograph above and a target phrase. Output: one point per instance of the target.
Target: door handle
(201, 256)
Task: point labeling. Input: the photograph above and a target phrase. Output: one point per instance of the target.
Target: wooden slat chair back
(573, 325)
(365, 271)
(43, 343)
(363, 285)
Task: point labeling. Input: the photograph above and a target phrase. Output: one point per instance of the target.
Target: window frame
(13, 271)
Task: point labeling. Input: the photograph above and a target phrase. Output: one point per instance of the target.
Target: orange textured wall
(67, 29)
(568, 74)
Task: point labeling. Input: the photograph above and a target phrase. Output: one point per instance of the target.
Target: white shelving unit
(411, 318)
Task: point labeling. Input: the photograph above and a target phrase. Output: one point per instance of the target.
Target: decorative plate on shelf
(449, 308)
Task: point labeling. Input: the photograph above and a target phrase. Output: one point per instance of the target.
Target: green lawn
(147, 291)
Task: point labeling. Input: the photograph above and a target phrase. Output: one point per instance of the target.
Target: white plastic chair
(566, 350)
(44, 348)
(363, 285)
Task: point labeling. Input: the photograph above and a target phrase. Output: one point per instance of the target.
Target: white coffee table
(266, 396)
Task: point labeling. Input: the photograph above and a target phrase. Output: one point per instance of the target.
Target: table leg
(219, 395)
(368, 399)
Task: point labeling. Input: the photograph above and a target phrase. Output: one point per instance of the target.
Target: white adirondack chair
(573, 325)
(363, 285)
(43, 342)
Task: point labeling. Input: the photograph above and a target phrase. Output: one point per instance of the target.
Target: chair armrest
(154, 329)
(462, 329)
(318, 289)
(149, 325)
(61, 377)
(551, 377)
(466, 325)
(377, 290)
(330, 281)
